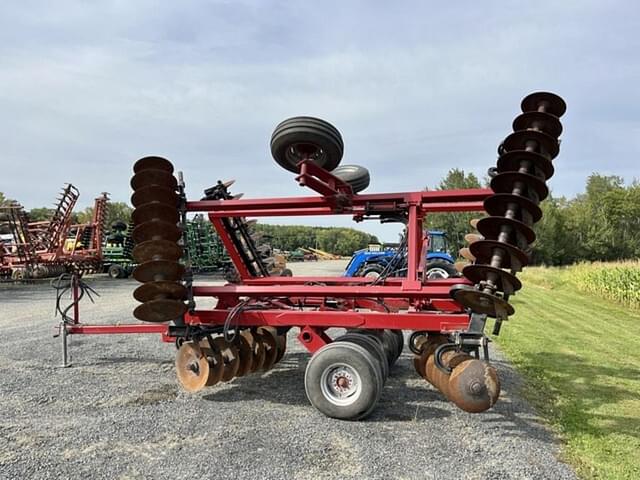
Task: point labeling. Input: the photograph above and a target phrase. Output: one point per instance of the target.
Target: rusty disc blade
(230, 358)
(259, 352)
(521, 235)
(552, 103)
(153, 162)
(480, 302)
(156, 230)
(498, 204)
(484, 250)
(216, 367)
(157, 250)
(158, 270)
(473, 222)
(158, 311)
(192, 367)
(474, 386)
(155, 211)
(270, 346)
(544, 122)
(465, 252)
(472, 237)
(544, 144)
(508, 182)
(246, 356)
(160, 290)
(504, 281)
(154, 193)
(460, 265)
(147, 178)
(524, 161)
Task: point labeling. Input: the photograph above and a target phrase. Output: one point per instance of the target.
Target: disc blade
(147, 178)
(158, 311)
(153, 162)
(472, 237)
(480, 302)
(157, 250)
(508, 182)
(544, 144)
(521, 235)
(526, 210)
(158, 270)
(544, 122)
(155, 211)
(156, 230)
(160, 290)
(552, 103)
(154, 193)
(515, 258)
(503, 280)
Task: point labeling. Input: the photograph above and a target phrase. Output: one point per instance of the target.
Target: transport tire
(355, 175)
(343, 381)
(299, 137)
(116, 271)
(400, 336)
(286, 272)
(390, 345)
(437, 269)
(371, 270)
(373, 344)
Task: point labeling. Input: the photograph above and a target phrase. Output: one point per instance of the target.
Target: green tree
(116, 211)
(454, 224)
(41, 214)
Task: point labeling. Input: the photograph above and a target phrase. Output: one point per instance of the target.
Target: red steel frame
(407, 303)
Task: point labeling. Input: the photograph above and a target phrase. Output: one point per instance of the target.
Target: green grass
(580, 356)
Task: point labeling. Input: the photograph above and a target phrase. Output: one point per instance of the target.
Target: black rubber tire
(309, 132)
(373, 269)
(358, 359)
(400, 336)
(445, 270)
(116, 271)
(355, 175)
(286, 273)
(390, 346)
(372, 343)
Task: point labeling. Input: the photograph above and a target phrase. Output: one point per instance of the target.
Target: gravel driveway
(119, 413)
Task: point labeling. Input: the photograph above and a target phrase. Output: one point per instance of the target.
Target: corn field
(617, 281)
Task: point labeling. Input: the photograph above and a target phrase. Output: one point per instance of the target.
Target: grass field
(581, 356)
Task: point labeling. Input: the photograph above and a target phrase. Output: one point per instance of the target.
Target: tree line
(600, 224)
(337, 240)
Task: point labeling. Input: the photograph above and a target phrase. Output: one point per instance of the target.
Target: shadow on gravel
(400, 402)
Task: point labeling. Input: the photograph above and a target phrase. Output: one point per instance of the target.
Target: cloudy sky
(415, 88)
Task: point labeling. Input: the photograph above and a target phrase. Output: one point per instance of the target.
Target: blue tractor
(391, 261)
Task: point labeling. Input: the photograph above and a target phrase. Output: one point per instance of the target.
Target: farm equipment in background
(378, 259)
(47, 249)
(246, 330)
(117, 260)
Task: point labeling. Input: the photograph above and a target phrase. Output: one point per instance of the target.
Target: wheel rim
(373, 274)
(437, 272)
(340, 384)
(301, 151)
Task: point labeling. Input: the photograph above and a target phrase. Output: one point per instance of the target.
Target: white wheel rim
(372, 274)
(340, 384)
(437, 273)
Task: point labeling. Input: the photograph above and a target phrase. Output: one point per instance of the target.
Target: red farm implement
(41, 249)
(246, 330)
